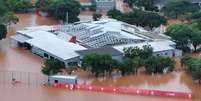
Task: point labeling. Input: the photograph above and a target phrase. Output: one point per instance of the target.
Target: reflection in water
(15, 59)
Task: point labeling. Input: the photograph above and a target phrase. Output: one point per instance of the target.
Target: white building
(62, 79)
(106, 32)
(160, 48)
(48, 45)
(107, 36)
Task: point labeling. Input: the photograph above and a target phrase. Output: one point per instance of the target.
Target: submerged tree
(19, 5)
(6, 18)
(193, 65)
(158, 64)
(52, 66)
(99, 64)
(65, 10)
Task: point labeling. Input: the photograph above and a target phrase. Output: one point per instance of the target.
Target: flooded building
(69, 43)
(48, 45)
(160, 48)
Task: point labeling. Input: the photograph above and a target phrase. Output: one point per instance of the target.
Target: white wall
(40, 52)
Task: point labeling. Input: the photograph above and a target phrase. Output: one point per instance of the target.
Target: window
(51, 57)
(158, 54)
(46, 55)
(166, 53)
(56, 81)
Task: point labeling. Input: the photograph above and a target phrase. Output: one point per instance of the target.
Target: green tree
(65, 9)
(158, 64)
(175, 8)
(195, 37)
(185, 35)
(143, 18)
(131, 65)
(146, 4)
(99, 64)
(6, 18)
(193, 65)
(114, 13)
(96, 16)
(181, 34)
(197, 73)
(43, 4)
(19, 5)
(195, 15)
(133, 52)
(52, 66)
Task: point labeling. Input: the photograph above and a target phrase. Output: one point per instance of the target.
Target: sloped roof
(104, 50)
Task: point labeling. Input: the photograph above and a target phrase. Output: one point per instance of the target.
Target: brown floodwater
(16, 59)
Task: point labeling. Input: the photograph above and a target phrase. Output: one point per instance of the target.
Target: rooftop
(156, 45)
(109, 32)
(50, 43)
(104, 50)
(63, 77)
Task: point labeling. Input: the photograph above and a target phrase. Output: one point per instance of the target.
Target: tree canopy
(19, 5)
(176, 8)
(6, 18)
(133, 59)
(133, 52)
(52, 66)
(143, 18)
(193, 65)
(184, 35)
(159, 64)
(114, 13)
(43, 4)
(61, 9)
(136, 57)
(99, 64)
(146, 4)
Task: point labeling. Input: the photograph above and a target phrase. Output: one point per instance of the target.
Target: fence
(25, 78)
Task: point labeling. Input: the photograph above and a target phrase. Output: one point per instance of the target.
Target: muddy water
(15, 59)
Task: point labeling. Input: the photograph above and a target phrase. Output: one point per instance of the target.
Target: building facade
(104, 5)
